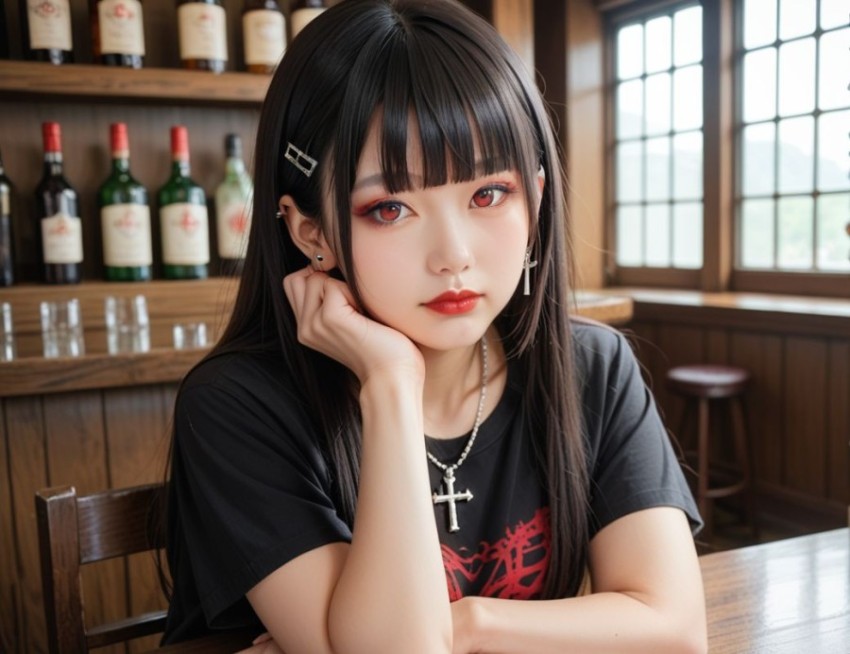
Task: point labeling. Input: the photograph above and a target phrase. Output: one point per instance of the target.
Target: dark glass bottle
(232, 198)
(46, 29)
(183, 217)
(263, 35)
(125, 219)
(57, 210)
(7, 259)
(202, 31)
(118, 35)
(302, 12)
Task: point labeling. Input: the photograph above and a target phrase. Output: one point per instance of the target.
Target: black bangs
(464, 106)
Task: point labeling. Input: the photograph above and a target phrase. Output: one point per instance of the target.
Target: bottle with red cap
(184, 223)
(125, 219)
(57, 210)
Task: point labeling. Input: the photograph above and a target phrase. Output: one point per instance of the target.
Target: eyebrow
(378, 179)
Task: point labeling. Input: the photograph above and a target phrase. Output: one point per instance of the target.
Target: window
(658, 141)
(728, 141)
(793, 197)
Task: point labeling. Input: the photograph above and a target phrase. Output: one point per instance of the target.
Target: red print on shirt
(512, 568)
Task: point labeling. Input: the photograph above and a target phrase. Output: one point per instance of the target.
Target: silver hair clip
(298, 159)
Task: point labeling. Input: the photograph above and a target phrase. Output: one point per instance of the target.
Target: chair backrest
(74, 530)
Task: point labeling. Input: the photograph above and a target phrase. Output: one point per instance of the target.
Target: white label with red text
(49, 24)
(126, 232)
(233, 222)
(185, 234)
(121, 29)
(300, 18)
(265, 37)
(62, 238)
(203, 34)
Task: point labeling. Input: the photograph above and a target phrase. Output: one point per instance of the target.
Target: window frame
(722, 56)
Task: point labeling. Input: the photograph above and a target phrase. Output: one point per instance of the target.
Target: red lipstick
(454, 302)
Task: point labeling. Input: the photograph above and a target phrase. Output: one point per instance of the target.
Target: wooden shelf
(43, 81)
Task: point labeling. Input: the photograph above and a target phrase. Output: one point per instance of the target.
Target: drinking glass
(62, 329)
(190, 335)
(8, 351)
(127, 324)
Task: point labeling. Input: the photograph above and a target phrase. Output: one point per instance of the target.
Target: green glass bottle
(183, 217)
(125, 218)
(232, 210)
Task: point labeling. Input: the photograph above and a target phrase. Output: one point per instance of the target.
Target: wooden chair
(75, 530)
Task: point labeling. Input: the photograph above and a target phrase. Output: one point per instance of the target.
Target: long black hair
(472, 101)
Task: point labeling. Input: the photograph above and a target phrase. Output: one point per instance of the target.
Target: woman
(406, 276)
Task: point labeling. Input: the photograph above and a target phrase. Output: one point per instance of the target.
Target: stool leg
(743, 445)
(703, 500)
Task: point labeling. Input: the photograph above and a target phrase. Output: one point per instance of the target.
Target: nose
(450, 250)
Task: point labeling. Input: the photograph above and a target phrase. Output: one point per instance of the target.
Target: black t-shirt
(251, 490)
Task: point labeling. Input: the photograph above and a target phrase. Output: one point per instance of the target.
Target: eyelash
(371, 210)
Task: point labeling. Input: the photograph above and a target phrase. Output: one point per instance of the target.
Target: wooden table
(786, 597)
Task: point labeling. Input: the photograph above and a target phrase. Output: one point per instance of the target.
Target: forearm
(603, 622)
(392, 590)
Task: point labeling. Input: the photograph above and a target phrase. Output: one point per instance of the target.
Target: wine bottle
(202, 26)
(118, 37)
(46, 28)
(233, 217)
(7, 260)
(303, 11)
(57, 210)
(183, 217)
(264, 35)
(125, 219)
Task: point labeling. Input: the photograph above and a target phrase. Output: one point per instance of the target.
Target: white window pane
(832, 151)
(759, 22)
(658, 235)
(658, 43)
(658, 169)
(687, 98)
(687, 36)
(757, 234)
(630, 51)
(759, 85)
(629, 235)
(834, 64)
(796, 155)
(833, 13)
(758, 152)
(796, 18)
(833, 241)
(687, 235)
(796, 222)
(630, 172)
(658, 104)
(630, 109)
(687, 166)
(797, 77)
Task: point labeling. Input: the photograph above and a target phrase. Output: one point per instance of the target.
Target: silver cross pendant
(451, 498)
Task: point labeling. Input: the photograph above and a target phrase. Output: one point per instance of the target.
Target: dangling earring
(529, 264)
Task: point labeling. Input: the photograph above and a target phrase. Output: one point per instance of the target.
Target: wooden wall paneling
(514, 20)
(25, 434)
(8, 579)
(679, 345)
(135, 423)
(838, 449)
(762, 356)
(77, 455)
(804, 407)
(716, 348)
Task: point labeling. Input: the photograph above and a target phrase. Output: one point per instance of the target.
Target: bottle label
(185, 234)
(300, 18)
(49, 24)
(126, 232)
(233, 223)
(265, 37)
(121, 30)
(62, 238)
(202, 31)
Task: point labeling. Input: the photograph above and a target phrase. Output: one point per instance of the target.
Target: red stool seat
(704, 388)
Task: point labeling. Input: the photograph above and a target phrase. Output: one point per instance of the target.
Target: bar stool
(703, 386)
